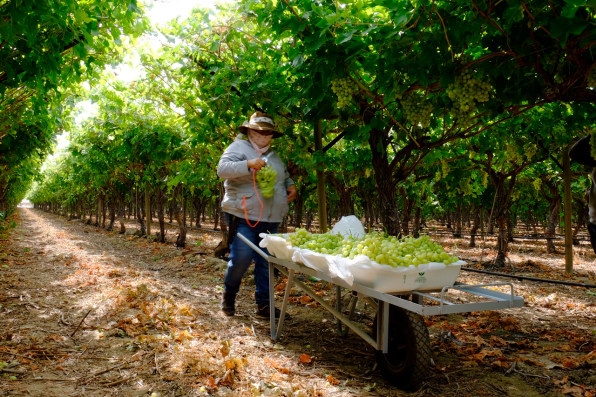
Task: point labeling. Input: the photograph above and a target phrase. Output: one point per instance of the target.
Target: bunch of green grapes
(593, 144)
(465, 92)
(266, 180)
(381, 249)
(396, 252)
(445, 168)
(344, 88)
(483, 179)
(592, 78)
(537, 183)
(417, 110)
(324, 243)
(465, 186)
(512, 153)
(530, 150)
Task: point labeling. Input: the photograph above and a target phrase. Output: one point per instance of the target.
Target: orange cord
(254, 180)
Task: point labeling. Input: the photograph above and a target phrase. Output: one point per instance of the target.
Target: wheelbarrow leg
(276, 326)
(342, 330)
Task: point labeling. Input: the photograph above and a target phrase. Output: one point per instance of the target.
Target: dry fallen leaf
(225, 347)
(569, 362)
(590, 358)
(332, 380)
(573, 391)
(230, 364)
(305, 359)
(182, 336)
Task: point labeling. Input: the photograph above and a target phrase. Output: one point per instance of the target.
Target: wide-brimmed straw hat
(260, 121)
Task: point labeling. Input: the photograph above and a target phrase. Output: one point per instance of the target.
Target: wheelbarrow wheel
(407, 361)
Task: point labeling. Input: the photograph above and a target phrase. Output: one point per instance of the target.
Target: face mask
(259, 142)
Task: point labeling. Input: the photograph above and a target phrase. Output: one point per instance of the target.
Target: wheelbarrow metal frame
(496, 300)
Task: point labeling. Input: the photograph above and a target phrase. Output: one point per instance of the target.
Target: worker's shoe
(264, 311)
(228, 303)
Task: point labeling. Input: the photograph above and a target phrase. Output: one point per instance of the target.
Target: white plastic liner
(349, 226)
(277, 246)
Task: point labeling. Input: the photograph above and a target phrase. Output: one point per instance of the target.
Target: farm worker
(247, 211)
(581, 153)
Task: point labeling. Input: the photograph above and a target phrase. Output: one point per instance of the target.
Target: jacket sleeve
(289, 181)
(233, 163)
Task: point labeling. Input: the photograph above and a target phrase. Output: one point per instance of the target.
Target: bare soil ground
(86, 312)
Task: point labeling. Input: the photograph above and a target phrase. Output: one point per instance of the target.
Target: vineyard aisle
(84, 311)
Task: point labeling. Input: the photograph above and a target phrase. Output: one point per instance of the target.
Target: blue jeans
(241, 257)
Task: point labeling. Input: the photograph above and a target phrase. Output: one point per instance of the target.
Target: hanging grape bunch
(266, 181)
(417, 110)
(592, 78)
(344, 88)
(593, 144)
(465, 92)
(445, 168)
(512, 154)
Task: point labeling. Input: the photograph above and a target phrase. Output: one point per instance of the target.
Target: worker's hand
(256, 164)
(292, 193)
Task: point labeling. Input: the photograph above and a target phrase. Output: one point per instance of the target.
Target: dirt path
(88, 312)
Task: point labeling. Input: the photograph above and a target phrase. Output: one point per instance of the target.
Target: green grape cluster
(465, 93)
(592, 78)
(593, 144)
(484, 179)
(530, 150)
(537, 183)
(344, 88)
(465, 187)
(417, 110)
(382, 249)
(266, 180)
(445, 168)
(512, 153)
(324, 243)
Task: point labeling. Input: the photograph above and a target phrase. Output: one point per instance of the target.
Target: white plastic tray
(430, 276)
(361, 269)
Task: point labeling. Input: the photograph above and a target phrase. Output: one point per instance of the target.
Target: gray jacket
(242, 197)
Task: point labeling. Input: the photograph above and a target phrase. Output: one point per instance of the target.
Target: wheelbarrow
(399, 335)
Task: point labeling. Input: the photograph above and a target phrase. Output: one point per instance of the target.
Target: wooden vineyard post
(148, 208)
(567, 206)
(321, 197)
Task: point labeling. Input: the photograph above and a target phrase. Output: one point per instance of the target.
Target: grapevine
(417, 110)
(344, 88)
(266, 180)
(382, 249)
(465, 93)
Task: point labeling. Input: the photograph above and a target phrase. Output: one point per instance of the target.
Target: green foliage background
(446, 105)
